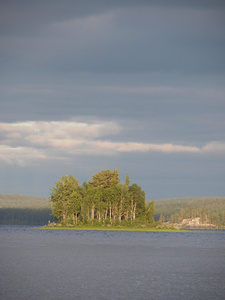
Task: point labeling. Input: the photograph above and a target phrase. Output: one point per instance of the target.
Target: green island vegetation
(106, 203)
(102, 202)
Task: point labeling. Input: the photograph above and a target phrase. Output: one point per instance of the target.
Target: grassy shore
(113, 228)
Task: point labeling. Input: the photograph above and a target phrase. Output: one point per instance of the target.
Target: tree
(74, 203)
(137, 201)
(127, 181)
(123, 201)
(105, 179)
(61, 197)
(114, 202)
(90, 201)
(150, 212)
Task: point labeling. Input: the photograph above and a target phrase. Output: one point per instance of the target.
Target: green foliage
(66, 197)
(127, 181)
(105, 179)
(104, 200)
(137, 200)
(150, 211)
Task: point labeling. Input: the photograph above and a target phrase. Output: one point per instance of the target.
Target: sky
(91, 85)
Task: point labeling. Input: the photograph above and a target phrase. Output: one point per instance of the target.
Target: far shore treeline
(104, 199)
(24, 210)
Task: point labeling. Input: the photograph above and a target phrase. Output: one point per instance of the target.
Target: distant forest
(24, 210)
(25, 216)
(28, 210)
(209, 209)
(22, 201)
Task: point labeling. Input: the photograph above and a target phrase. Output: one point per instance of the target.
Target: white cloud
(26, 142)
(214, 147)
(61, 130)
(21, 155)
(169, 148)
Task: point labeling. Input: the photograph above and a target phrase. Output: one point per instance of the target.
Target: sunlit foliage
(103, 200)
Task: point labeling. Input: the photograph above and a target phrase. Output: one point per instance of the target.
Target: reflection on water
(50, 264)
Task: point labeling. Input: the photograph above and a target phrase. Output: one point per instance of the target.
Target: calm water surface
(50, 264)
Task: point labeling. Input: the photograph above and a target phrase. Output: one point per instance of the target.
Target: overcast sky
(91, 85)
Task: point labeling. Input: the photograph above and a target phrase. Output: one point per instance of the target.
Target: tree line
(104, 199)
(206, 216)
(23, 201)
(24, 210)
(210, 210)
(25, 216)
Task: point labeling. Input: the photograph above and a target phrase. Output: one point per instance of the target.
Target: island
(104, 202)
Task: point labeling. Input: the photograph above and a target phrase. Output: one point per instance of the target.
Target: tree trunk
(64, 217)
(110, 212)
(134, 211)
(119, 217)
(99, 216)
(92, 212)
(88, 214)
(106, 213)
(120, 210)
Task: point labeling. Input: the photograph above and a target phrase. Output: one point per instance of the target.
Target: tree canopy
(103, 199)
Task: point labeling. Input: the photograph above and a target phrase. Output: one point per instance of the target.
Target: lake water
(57, 264)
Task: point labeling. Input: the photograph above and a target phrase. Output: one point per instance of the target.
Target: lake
(68, 264)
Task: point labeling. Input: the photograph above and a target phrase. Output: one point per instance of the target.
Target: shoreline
(90, 228)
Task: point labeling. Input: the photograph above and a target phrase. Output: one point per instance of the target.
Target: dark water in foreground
(49, 264)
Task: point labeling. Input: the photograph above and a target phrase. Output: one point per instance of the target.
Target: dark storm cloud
(17, 14)
(151, 73)
(125, 36)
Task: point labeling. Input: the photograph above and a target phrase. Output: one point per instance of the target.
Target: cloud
(61, 130)
(167, 148)
(21, 156)
(112, 37)
(214, 147)
(27, 142)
